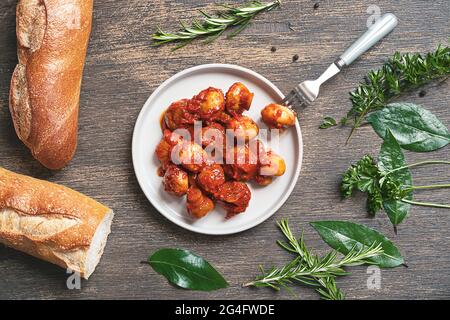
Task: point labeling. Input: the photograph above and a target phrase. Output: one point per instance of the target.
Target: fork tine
(288, 97)
(292, 98)
(295, 99)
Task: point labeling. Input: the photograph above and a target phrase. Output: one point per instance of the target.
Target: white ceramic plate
(147, 134)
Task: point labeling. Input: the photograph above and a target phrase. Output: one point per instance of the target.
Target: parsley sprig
(388, 183)
(366, 176)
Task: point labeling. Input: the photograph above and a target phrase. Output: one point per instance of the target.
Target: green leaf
(186, 270)
(396, 210)
(343, 236)
(391, 157)
(328, 122)
(415, 128)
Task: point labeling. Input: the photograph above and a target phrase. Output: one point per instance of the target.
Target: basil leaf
(415, 128)
(343, 236)
(186, 270)
(391, 157)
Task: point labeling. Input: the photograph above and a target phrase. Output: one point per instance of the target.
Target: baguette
(52, 39)
(52, 222)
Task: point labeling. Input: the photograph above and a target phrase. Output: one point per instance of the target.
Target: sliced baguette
(52, 222)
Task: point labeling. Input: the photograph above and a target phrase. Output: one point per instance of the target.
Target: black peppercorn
(273, 49)
(422, 93)
(316, 6)
(295, 58)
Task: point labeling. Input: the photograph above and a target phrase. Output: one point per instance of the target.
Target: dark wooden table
(122, 70)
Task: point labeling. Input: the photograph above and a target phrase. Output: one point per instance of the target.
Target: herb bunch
(213, 26)
(388, 183)
(365, 177)
(310, 269)
(401, 73)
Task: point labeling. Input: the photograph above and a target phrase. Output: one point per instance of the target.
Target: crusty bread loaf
(52, 222)
(52, 37)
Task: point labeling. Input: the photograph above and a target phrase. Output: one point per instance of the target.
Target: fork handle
(376, 32)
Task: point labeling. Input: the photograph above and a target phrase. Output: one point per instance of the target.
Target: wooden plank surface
(122, 70)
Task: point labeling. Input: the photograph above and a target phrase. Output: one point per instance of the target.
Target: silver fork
(308, 91)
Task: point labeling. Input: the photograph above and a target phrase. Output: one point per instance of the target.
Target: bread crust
(45, 89)
(49, 221)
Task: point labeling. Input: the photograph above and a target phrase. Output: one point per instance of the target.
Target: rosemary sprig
(328, 289)
(213, 26)
(310, 269)
(403, 72)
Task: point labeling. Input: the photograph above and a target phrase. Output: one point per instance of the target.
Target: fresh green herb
(364, 176)
(388, 183)
(328, 122)
(415, 128)
(402, 73)
(186, 270)
(343, 236)
(213, 26)
(310, 269)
